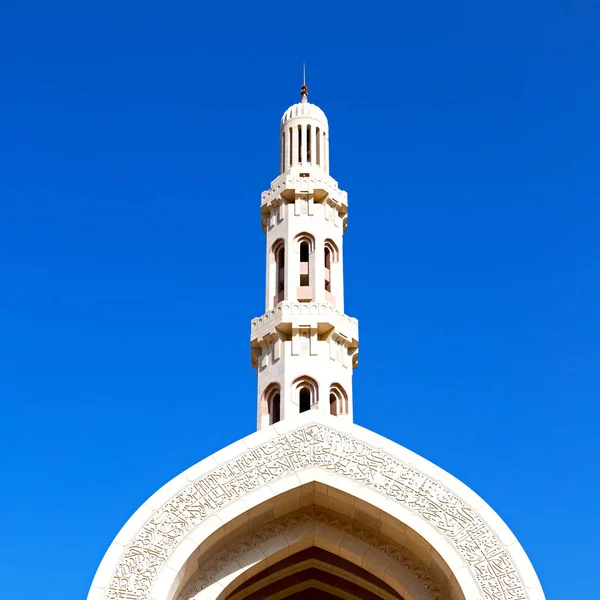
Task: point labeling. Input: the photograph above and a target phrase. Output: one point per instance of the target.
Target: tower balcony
(316, 184)
(289, 315)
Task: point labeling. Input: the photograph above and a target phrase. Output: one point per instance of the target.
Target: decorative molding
(209, 572)
(305, 184)
(316, 445)
(290, 308)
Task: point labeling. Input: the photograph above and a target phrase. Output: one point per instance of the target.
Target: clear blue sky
(135, 140)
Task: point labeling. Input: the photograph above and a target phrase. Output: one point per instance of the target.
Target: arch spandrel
(148, 554)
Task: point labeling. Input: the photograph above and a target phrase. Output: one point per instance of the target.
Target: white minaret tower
(304, 347)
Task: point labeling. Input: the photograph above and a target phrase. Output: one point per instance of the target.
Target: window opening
(304, 255)
(290, 132)
(308, 145)
(304, 400)
(299, 143)
(327, 269)
(280, 266)
(275, 408)
(333, 409)
(318, 146)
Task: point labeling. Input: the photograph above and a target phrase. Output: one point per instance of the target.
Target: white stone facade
(304, 347)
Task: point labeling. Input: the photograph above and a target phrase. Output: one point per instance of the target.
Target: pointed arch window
(338, 400)
(304, 244)
(277, 275)
(272, 400)
(327, 269)
(280, 273)
(305, 393)
(330, 255)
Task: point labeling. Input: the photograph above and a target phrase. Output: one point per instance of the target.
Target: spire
(304, 88)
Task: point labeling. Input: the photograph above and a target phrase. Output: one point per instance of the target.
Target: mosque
(312, 506)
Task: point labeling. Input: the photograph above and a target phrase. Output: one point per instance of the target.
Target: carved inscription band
(316, 445)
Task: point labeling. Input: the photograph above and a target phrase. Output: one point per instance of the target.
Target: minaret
(304, 347)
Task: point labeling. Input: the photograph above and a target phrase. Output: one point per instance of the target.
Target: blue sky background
(135, 140)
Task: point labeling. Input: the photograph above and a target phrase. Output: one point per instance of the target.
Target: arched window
(280, 273)
(278, 258)
(305, 393)
(327, 269)
(331, 255)
(308, 144)
(291, 148)
(283, 149)
(299, 143)
(305, 245)
(272, 403)
(338, 400)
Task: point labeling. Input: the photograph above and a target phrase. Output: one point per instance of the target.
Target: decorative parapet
(295, 313)
(327, 186)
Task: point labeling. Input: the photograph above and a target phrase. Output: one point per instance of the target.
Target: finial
(304, 88)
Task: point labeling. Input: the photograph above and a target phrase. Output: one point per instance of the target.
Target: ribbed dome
(304, 109)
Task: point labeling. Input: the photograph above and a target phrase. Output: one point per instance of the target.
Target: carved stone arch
(305, 393)
(338, 400)
(277, 245)
(276, 272)
(149, 557)
(304, 237)
(271, 403)
(331, 246)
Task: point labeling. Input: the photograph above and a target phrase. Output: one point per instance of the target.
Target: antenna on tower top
(304, 88)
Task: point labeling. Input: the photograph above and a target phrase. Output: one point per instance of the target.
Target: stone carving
(315, 445)
(209, 572)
